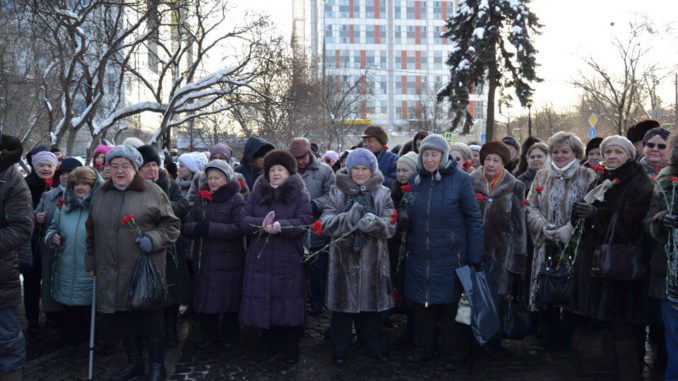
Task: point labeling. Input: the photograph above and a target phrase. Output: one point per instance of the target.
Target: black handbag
(556, 284)
(517, 320)
(617, 261)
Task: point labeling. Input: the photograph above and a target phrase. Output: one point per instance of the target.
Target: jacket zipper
(75, 260)
(428, 254)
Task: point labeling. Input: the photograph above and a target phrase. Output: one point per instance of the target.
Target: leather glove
(145, 244)
(202, 228)
(584, 210)
(355, 213)
(366, 222)
(670, 222)
(564, 233)
(268, 220)
(549, 232)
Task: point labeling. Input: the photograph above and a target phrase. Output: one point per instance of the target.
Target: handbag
(556, 285)
(517, 320)
(463, 311)
(485, 321)
(617, 261)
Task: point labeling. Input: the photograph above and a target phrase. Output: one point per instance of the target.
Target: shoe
(156, 359)
(417, 358)
(453, 365)
(339, 360)
(135, 361)
(316, 311)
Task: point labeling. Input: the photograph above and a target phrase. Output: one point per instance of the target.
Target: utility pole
(675, 104)
(529, 119)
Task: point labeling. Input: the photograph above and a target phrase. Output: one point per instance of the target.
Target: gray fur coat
(359, 282)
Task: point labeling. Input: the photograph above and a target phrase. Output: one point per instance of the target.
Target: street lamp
(529, 119)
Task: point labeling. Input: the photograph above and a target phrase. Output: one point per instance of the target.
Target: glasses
(652, 145)
(116, 168)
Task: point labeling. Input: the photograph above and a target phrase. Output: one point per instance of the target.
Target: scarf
(492, 183)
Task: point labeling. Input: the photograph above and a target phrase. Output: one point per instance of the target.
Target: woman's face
(360, 174)
(431, 158)
(150, 171)
(460, 159)
(45, 170)
(493, 165)
(562, 155)
(594, 157)
(215, 179)
(99, 160)
(63, 178)
(615, 156)
(184, 172)
(655, 151)
(536, 159)
(122, 172)
(404, 173)
(82, 190)
(277, 174)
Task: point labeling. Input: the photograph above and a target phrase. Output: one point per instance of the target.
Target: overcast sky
(573, 29)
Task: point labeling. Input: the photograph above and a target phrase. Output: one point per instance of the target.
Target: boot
(156, 357)
(607, 363)
(171, 314)
(135, 360)
(15, 375)
(209, 326)
(627, 356)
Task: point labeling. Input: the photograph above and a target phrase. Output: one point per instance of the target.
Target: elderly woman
(113, 249)
(463, 155)
(554, 192)
(655, 151)
(66, 237)
(213, 224)
(360, 210)
(615, 206)
(445, 232)
(500, 197)
(276, 218)
(592, 155)
(536, 157)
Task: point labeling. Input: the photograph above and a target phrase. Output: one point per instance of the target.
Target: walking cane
(91, 330)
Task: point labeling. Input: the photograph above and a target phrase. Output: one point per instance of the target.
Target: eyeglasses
(652, 145)
(116, 168)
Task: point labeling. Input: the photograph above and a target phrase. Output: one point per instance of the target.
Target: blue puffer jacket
(445, 232)
(388, 166)
(71, 283)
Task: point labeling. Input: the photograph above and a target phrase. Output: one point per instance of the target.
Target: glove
(670, 222)
(549, 232)
(355, 213)
(477, 266)
(276, 228)
(564, 233)
(584, 210)
(202, 229)
(145, 244)
(366, 222)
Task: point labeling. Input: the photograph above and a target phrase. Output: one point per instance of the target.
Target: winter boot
(171, 315)
(156, 357)
(15, 375)
(607, 363)
(627, 356)
(135, 360)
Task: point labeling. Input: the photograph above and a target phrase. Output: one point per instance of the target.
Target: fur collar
(346, 184)
(568, 173)
(138, 184)
(287, 192)
(224, 193)
(504, 187)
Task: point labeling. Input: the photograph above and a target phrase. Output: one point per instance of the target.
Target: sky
(572, 30)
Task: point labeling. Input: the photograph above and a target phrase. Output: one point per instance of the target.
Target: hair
(569, 139)
(82, 175)
(539, 145)
(463, 149)
(524, 149)
(673, 147)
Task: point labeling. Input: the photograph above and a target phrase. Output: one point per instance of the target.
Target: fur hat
(10, 151)
(223, 166)
(222, 149)
(497, 148)
(280, 157)
(657, 131)
(362, 156)
(133, 142)
(300, 147)
(637, 132)
(82, 175)
(593, 144)
(68, 165)
(620, 141)
(410, 160)
(377, 132)
(128, 152)
(435, 142)
(149, 153)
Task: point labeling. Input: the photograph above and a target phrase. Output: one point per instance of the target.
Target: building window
(411, 61)
(343, 9)
(397, 12)
(383, 84)
(344, 34)
(437, 59)
(398, 84)
(370, 58)
(410, 10)
(369, 34)
(423, 60)
(382, 60)
(328, 9)
(356, 9)
(411, 35)
(369, 9)
(450, 7)
(478, 110)
(411, 85)
(423, 35)
(329, 36)
(398, 35)
(382, 34)
(422, 10)
(437, 10)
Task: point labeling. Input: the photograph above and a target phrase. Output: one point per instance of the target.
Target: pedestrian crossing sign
(449, 137)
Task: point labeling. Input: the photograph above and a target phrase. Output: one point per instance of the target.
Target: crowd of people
(580, 234)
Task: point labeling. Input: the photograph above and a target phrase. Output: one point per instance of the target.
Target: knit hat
(377, 132)
(54, 148)
(300, 147)
(474, 147)
(497, 148)
(510, 140)
(593, 144)
(193, 161)
(332, 155)
(82, 175)
(409, 160)
(362, 156)
(463, 149)
(435, 142)
(657, 131)
(128, 152)
(44, 157)
(223, 166)
(620, 141)
(149, 154)
(101, 149)
(222, 149)
(637, 132)
(133, 142)
(280, 157)
(68, 165)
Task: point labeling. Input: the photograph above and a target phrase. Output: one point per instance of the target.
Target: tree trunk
(71, 141)
(491, 88)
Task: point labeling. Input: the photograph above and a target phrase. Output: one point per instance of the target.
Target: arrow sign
(592, 132)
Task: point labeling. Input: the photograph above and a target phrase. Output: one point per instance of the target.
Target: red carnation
(317, 227)
(61, 202)
(525, 202)
(659, 168)
(599, 170)
(49, 182)
(539, 188)
(394, 217)
(205, 195)
(241, 183)
(406, 188)
(653, 178)
(98, 165)
(480, 197)
(617, 181)
(674, 179)
(396, 295)
(467, 165)
(385, 147)
(128, 217)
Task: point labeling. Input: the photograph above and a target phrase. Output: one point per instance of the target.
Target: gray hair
(568, 139)
(463, 149)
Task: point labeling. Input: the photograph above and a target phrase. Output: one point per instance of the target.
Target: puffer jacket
(445, 232)
(319, 179)
(388, 166)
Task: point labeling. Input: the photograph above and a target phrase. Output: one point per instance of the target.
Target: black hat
(593, 144)
(149, 153)
(637, 132)
(510, 140)
(10, 151)
(55, 148)
(280, 157)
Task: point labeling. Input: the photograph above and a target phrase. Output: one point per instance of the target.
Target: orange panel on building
(363, 85)
(337, 59)
(350, 8)
(363, 59)
(404, 112)
(444, 5)
(403, 59)
(417, 59)
(418, 83)
(363, 110)
(376, 34)
(418, 109)
(471, 106)
(417, 14)
(337, 83)
(350, 33)
(376, 9)
(417, 35)
(403, 85)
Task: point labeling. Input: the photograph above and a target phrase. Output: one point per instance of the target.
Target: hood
(254, 144)
(74, 202)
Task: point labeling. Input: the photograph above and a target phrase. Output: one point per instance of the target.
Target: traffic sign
(593, 120)
(483, 139)
(449, 137)
(592, 132)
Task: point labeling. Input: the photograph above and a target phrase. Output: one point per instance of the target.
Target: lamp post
(529, 119)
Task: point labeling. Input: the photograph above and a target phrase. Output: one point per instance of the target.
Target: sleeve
(518, 263)
(335, 223)
(392, 171)
(90, 258)
(655, 214)
(18, 216)
(52, 229)
(327, 184)
(179, 203)
(535, 218)
(218, 230)
(298, 225)
(190, 221)
(474, 222)
(383, 228)
(249, 224)
(167, 225)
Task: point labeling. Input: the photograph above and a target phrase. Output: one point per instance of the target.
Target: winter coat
(47, 204)
(359, 281)
(184, 245)
(503, 227)
(649, 169)
(111, 247)
(445, 232)
(29, 255)
(603, 299)
(388, 166)
(184, 186)
(16, 228)
(69, 283)
(274, 286)
(176, 267)
(550, 201)
(658, 265)
(318, 178)
(218, 279)
(253, 145)
(526, 178)
(394, 243)
(200, 181)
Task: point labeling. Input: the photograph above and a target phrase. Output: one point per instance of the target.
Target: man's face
(371, 143)
(258, 162)
(303, 161)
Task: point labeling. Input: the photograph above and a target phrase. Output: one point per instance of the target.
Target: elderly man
(319, 178)
(375, 140)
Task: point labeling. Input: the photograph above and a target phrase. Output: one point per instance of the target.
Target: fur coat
(359, 282)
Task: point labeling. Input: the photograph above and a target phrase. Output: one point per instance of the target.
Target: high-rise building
(394, 47)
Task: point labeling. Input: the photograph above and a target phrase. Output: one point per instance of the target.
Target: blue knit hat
(362, 156)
